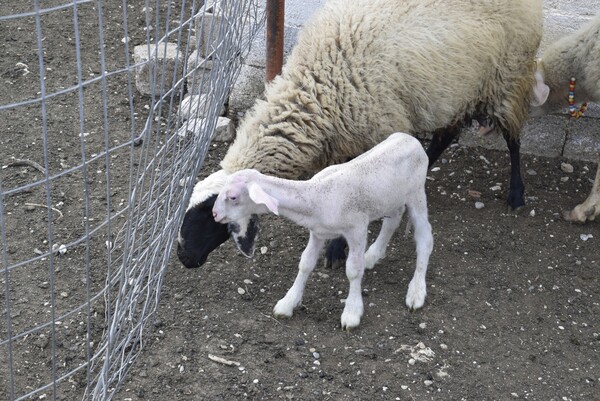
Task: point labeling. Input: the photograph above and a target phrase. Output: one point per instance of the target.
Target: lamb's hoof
(415, 297)
(350, 321)
(353, 311)
(283, 310)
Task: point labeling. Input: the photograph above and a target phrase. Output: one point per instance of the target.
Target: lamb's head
(238, 204)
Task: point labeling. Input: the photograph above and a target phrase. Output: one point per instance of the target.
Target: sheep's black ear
(245, 234)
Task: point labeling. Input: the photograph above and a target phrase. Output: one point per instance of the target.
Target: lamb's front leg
(355, 266)
(308, 261)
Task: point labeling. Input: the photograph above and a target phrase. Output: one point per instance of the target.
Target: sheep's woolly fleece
(364, 69)
(576, 55)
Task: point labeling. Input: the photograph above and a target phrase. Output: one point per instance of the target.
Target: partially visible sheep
(342, 200)
(363, 69)
(574, 56)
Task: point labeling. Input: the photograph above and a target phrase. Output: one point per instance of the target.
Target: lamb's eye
(233, 198)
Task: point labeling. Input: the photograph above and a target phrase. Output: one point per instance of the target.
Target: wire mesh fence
(95, 174)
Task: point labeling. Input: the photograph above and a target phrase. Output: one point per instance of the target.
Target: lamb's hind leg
(308, 261)
(589, 209)
(417, 289)
(376, 251)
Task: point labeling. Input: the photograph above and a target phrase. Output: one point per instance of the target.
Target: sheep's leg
(336, 252)
(376, 251)
(589, 209)
(308, 261)
(516, 191)
(417, 289)
(355, 267)
(440, 140)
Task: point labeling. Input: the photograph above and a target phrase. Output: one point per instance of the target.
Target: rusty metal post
(275, 21)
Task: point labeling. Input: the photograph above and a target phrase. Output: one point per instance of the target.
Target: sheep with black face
(364, 69)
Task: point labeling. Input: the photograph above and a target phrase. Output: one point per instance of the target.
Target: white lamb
(341, 200)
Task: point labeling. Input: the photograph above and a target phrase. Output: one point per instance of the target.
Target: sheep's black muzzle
(200, 234)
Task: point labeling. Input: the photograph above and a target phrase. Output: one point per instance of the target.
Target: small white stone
(479, 205)
(443, 346)
(566, 167)
(403, 387)
(435, 169)
(585, 237)
(241, 291)
(532, 213)
(428, 383)
(496, 188)
(411, 361)
(246, 281)
(263, 250)
(62, 249)
(422, 325)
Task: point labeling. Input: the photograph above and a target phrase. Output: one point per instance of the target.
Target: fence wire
(95, 175)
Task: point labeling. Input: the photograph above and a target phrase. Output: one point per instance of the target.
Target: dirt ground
(513, 304)
(512, 310)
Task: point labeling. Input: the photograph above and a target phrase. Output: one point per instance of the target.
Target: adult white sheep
(363, 69)
(341, 200)
(574, 56)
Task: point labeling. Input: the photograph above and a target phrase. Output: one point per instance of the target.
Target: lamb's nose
(215, 215)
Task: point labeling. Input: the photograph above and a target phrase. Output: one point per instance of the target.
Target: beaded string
(575, 113)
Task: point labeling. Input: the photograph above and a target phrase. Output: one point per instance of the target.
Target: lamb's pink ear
(541, 91)
(258, 195)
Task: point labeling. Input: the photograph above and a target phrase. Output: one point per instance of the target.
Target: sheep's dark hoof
(515, 211)
(335, 254)
(515, 199)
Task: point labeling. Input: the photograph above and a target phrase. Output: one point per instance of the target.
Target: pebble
(422, 325)
(564, 179)
(585, 237)
(443, 346)
(566, 167)
(428, 383)
(479, 205)
(411, 361)
(263, 250)
(29, 208)
(316, 355)
(531, 172)
(532, 213)
(241, 291)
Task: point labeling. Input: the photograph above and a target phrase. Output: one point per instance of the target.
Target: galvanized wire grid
(95, 177)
